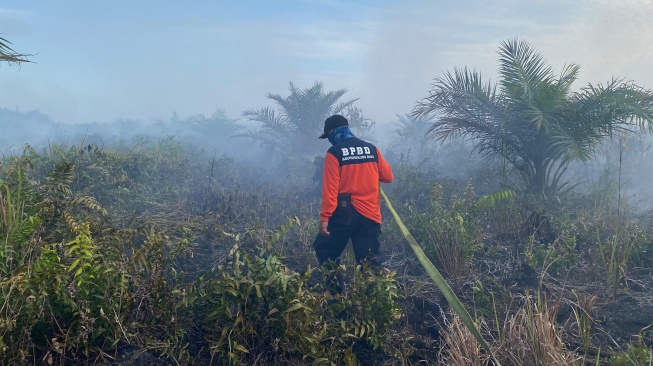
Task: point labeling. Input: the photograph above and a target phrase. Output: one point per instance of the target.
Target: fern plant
(83, 254)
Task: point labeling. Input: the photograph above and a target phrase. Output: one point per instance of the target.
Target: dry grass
(531, 337)
(460, 346)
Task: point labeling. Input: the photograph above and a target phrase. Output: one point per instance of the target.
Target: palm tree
(293, 127)
(7, 54)
(532, 119)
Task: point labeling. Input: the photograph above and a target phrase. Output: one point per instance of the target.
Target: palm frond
(490, 200)
(7, 54)
(522, 70)
(470, 108)
(341, 106)
(566, 147)
(267, 117)
(616, 106)
(568, 76)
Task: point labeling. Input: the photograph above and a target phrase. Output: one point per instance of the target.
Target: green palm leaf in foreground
(442, 284)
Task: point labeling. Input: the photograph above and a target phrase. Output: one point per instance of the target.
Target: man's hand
(323, 228)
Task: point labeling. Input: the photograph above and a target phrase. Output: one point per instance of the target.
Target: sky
(142, 60)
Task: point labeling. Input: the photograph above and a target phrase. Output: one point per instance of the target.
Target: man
(351, 207)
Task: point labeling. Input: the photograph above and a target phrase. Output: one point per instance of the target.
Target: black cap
(332, 122)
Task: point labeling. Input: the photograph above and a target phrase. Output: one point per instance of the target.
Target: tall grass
(615, 255)
(584, 309)
(531, 337)
(460, 346)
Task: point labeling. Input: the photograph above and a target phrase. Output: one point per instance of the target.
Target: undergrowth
(154, 253)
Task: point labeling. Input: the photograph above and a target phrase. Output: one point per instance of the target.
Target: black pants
(363, 232)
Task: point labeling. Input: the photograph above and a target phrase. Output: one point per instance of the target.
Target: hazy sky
(103, 60)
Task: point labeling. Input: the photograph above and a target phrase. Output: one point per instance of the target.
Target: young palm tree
(532, 118)
(7, 54)
(298, 120)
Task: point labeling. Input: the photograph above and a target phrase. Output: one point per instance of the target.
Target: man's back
(356, 167)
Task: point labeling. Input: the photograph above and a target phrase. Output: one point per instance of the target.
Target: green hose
(442, 284)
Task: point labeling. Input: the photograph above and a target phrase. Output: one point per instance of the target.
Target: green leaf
(294, 307)
(74, 264)
(241, 348)
(258, 291)
(437, 278)
(232, 292)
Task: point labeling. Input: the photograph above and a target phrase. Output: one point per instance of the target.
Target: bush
(449, 233)
(258, 309)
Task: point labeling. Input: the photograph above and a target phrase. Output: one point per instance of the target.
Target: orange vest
(356, 167)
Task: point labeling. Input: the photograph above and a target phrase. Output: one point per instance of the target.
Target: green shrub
(555, 257)
(256, 308)
(449, 232)
(72, 287)
(638, 354)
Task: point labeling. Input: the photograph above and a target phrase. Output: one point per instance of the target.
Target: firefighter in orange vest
(351, 207)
